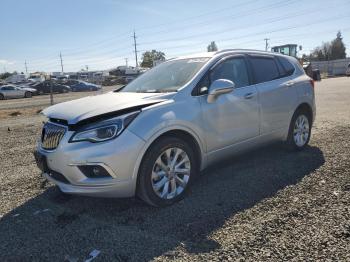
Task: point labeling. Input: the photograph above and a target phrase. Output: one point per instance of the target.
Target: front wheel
(299, 130)
(28, 94)
(166, 172)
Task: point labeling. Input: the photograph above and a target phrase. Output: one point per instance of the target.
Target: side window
(233, 69)
(280, 68)
(203, 85)
(265, 69)
(288, 67)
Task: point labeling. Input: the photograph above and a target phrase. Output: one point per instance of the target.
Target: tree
(337, 47)
(212, 47)
(5, 75)
(150, 57)
(330, 50)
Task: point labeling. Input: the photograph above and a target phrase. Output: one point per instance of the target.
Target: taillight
(312, 82)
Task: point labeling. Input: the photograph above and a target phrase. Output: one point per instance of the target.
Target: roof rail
(240, 49)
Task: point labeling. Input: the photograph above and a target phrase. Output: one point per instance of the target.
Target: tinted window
(234, 70)
(8, 88)
(265, 69)
(288, 67)
(280, 68)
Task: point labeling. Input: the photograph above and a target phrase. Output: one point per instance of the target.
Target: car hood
(89, 107)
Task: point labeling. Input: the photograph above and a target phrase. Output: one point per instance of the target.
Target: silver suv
(153, 137)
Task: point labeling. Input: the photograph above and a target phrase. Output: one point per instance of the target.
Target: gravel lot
(266, 205)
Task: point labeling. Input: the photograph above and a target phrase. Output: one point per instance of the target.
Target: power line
(250, 12)
(271, 21)
(135, 44)
(211, 21)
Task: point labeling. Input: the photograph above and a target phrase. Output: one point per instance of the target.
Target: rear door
(277, 93)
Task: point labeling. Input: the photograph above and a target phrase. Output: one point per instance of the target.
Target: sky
(97, 34)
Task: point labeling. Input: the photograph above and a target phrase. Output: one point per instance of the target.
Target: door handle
(249, 95)
(290, 84)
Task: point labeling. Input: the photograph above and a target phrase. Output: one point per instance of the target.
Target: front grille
(51, 136)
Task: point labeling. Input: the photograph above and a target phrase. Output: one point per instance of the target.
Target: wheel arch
(306, 108)
(179, 133)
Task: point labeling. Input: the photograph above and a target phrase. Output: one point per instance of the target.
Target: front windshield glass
(166, 77)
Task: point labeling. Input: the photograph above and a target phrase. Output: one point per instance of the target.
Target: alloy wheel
(171, 173)
(301, 130)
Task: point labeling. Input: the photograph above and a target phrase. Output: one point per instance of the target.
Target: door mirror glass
(219, 87)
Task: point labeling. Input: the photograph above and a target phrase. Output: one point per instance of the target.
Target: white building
(16, 78)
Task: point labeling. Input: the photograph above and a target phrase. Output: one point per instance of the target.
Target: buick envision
(153, 137)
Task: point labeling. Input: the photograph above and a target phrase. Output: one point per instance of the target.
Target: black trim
(59, 121)
(87, 170)
(58, 176)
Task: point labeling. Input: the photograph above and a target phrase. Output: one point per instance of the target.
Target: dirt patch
(11, 113)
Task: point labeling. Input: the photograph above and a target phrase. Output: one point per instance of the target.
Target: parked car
(152, 138)
(348, 70)
(11, 91)
(70, 82)
(84, 86)
(45, 87)
(33, 91)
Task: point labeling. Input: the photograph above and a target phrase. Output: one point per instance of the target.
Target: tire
(151, 175)
(299, 130)
(27, 94)
(2, 97)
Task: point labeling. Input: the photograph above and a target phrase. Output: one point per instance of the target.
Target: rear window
(287, 66)
(265, 69)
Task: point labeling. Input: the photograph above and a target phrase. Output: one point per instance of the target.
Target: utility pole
(25, 64)
(135, 49)
(126, 62)
(61, 62)
(266, 43)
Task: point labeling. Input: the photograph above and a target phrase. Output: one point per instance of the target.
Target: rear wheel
(166, 172)
(28, 94)
(299, 130)
(2, 97)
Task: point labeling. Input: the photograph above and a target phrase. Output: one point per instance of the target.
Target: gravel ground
(266, 205)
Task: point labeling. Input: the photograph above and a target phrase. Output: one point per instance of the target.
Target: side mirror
(219, 87)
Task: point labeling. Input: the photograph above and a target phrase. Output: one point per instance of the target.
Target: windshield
(166, 77)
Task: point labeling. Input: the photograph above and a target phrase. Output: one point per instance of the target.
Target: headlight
(103, 130)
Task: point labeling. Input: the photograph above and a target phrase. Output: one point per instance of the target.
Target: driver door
(233, 117)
